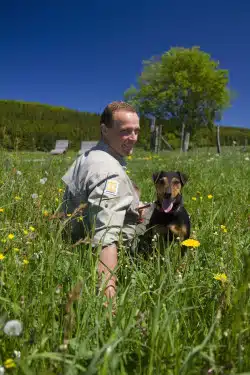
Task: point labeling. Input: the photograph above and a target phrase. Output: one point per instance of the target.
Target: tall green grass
(172, 315)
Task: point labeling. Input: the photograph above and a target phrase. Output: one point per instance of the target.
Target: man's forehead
(125, 116)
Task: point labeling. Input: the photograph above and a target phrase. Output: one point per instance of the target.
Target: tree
(183, 84)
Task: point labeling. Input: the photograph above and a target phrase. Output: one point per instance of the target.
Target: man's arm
(107, 264)
(108, 201)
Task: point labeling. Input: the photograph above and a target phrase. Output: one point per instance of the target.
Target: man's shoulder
(100, 160)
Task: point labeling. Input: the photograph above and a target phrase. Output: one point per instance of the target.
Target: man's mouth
(167, 205)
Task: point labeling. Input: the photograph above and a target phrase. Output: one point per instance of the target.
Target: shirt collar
(101, 145)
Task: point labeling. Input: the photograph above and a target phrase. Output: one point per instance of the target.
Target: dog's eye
(176, 182)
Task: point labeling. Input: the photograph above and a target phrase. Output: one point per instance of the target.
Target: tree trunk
(186, 141)
(218, 139)
(182, 137)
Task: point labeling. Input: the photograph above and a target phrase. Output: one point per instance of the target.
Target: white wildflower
(19, 173)
(2, 370)
(109, 350)
(34, 196)
(247, 158)
(13, 328)
(58, 290)
(17, 354)
(63, 347)
(43, 180)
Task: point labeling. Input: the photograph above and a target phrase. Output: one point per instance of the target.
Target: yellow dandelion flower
(129, 157)
(60, 190)
(190, 242)
(25, 232)
(69, 215)
(225, 230)
(221, 277)
(194, 198)
(1, 209)
(32, 229)
(45, 213)
(11, 236)
(9, 363)
(17, 198)
(25, 261)
(2, 256)
(16, 249)
(210, 196)
(223, 226)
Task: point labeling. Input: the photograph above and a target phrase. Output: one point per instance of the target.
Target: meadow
(173, 316)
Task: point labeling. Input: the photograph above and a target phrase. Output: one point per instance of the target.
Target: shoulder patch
(111, 187)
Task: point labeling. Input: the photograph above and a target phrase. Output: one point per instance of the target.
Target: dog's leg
(182, 232)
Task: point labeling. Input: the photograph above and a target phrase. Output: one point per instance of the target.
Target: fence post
(156, 139)
(152, 135)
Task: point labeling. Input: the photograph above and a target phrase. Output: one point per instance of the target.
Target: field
(173, 316)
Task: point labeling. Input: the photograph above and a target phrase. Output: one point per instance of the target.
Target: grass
(172, 315)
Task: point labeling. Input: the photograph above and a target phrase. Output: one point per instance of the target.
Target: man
(99, 179)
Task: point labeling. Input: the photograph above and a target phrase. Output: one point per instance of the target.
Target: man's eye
(124, 132)
(128, 132)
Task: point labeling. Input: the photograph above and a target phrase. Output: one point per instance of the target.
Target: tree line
(35, 126)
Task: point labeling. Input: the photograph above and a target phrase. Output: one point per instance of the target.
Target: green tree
(182, 84)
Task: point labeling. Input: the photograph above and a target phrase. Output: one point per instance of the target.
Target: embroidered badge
(111, 187)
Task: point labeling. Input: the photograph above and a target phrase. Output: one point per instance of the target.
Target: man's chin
(127, 151)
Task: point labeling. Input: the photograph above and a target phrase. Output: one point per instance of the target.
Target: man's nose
(133, 135)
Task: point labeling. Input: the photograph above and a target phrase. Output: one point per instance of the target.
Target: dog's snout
(168, 194)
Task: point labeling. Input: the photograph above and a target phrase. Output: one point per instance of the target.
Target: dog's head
(168, 189)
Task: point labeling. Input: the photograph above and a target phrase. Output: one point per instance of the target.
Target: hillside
(35, 126)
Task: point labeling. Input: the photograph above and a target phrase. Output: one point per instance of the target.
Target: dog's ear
(183, 178)
(156, 176)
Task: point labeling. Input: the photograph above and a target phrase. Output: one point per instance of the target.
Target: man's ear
(183, 178)
(103, 129)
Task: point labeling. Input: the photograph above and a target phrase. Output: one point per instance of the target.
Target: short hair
(107, 114)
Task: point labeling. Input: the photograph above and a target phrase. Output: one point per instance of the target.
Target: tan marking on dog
(161, 188)
(179, 231)
(175, 187)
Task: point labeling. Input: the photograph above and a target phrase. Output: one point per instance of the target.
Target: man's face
(124, 133)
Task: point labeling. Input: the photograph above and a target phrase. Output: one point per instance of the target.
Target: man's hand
(107, 264)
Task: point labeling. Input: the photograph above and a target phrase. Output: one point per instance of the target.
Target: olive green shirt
(100, 180)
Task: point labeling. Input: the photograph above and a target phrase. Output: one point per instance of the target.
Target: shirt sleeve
(109, 197)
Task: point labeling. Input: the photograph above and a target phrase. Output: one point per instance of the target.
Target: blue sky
(83, 55)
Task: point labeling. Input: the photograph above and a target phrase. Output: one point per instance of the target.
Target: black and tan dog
(170, 217)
